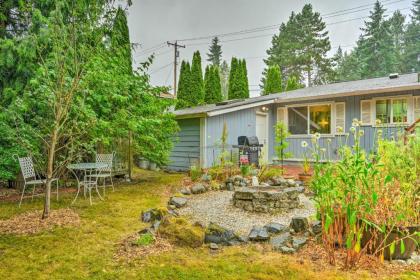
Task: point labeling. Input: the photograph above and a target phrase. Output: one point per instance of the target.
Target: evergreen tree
(411, 59)
(215, 52)
(300, 48)
(238, 80)
(224, 79)
(244, 80)
(212, 87)
(397, 29)
(292, 84)
(184, 95)
(233, 81)
(196, 80)
(120, 38)
(273, 83)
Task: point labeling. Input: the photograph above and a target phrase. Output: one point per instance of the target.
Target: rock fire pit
(271, 199)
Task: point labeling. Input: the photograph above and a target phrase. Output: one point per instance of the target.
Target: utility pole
(176, 55)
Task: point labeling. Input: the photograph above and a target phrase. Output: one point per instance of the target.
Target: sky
(154, 22)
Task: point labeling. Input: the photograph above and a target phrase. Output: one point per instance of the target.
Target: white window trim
(410, 111)
(415, 100)
(335, 118)
(332, 126)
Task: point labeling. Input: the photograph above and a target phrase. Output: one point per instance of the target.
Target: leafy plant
(281, 134)
(245, 169)
(195, 173)
(145, 239)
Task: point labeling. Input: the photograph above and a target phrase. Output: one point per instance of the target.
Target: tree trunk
(50, 172)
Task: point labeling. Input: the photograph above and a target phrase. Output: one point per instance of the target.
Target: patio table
(86, 168)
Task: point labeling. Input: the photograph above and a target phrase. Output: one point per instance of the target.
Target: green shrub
(269, 173)
(195, 173)
(145, 239)
(180, 232)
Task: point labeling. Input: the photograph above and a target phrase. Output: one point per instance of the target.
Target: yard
(88, 251)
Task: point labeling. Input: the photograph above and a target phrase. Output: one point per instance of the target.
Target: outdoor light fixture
(264, 109)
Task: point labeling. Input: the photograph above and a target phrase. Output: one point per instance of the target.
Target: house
(326, 109)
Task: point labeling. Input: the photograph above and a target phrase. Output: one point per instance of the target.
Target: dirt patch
(314, 253)
(128, 250)
(31, 222)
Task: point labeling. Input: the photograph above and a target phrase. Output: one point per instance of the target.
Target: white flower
(352, 129)
(317, 135)
(340, 129)
(378, 121)
(329, 140)
(361, 133)
(355, 122)
(313, 139)
(304, 144)
(323, 150)
(380, 132)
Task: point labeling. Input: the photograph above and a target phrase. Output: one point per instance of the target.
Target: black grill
(249, 149)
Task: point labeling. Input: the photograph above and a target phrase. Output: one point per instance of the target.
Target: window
(309, 119)
(417, 108)
(390, 111)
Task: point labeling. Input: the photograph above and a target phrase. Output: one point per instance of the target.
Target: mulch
(128, 250)
(32, 222)
(314, 253)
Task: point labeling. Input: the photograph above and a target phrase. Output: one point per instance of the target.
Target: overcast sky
(153, 22)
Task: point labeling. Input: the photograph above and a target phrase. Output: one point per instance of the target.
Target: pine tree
(233, 84)
(184, 95)
(212, 87)
(244, 80)
(300, 49)
(397, 30)
(224, 79)
(120, 37)
(215, 52)
(273, 83)
(411, 57)
(238, 80)
(292, 84)
(196, 79)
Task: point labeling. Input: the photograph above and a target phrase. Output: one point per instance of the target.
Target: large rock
(278, 181)
(198, 188)
(185, 191)
(258, 234)
(275, 228)
(219, 235)
(316, 227)
(299, 224)
(178, 202)
(287, 250)
(180, 232)
(152, 215)
(298, 242)
(281, 240)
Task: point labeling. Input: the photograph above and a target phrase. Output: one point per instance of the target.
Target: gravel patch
(217, 207)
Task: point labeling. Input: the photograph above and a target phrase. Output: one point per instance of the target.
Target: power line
(160, 68)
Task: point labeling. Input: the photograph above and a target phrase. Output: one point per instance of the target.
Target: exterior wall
(238, 123)
(186, 150)
(352, 111)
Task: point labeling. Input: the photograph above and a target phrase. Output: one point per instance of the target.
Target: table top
(87, 165)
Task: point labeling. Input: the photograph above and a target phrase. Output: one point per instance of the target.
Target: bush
(270, 173)
(145, 239)
(179, 232)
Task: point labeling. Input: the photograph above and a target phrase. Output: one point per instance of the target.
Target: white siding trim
(338, 118)
(203, 142)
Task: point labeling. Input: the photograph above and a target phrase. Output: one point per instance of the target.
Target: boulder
(316, 227)
(151, 215)
(298, 242)
(219, 235)
(230, 187)
(173, 213)
(178, 202)
(287, 250)
(206, 178)
(180, 232)
(279, 241)
(290, 182)
(258, 234)
(185, 191)
(299, 224)
(198, 188)
(275, 228)
(213, 246)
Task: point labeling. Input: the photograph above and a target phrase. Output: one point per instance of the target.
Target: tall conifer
(196, 79)
(273, 83)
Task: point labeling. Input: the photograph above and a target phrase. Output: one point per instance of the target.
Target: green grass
(86, 252)
(145, 239)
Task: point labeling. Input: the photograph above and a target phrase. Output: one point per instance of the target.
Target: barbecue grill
(249, 150)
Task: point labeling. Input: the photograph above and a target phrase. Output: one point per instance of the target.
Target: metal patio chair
(30, 178)
(105, 172)
(90, 181)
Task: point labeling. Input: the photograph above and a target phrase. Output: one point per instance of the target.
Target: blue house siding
(186, 150)
(238, 123)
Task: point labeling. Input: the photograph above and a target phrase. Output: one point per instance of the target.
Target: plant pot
(143, 163)
(409, 244)
(305, 178)
(152, 166)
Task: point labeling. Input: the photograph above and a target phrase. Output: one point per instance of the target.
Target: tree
(244, 80)
(120, 37)
(212, 87)
(233, 81)
(224, 79)
(196, 80)
(411, 41)
(215, 52)
(238, 80)
(273, 83)
(184, 95)
(300, 49)
(397, 30)
(292, 84)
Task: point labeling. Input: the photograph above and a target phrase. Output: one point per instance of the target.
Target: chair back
(107, 159)
(27, 168)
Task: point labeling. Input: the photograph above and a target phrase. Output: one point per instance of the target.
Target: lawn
(87, 251)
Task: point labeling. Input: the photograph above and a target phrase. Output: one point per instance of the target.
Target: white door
(262, 134)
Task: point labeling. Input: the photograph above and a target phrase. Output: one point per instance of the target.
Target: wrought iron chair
(90, 181)
(105, 172)
(30, 178)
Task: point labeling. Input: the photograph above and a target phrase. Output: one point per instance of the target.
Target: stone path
(217, 207)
